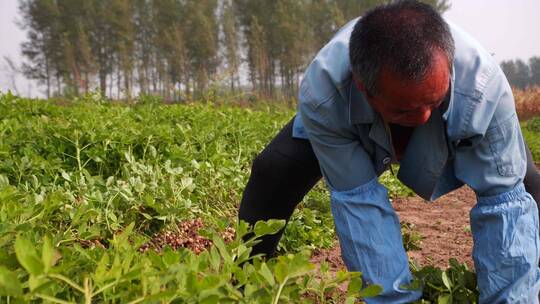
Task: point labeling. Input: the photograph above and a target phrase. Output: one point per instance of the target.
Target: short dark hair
(402, 36)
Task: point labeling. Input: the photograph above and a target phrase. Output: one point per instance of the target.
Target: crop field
(109, 203)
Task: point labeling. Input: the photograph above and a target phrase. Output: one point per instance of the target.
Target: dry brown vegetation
(527, 102)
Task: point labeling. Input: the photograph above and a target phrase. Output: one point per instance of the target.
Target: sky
(508, 29)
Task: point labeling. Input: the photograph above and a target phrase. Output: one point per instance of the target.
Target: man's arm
(504, 222)
(367, 225)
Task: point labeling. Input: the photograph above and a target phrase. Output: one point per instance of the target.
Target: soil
(185, 236)
(443, 224)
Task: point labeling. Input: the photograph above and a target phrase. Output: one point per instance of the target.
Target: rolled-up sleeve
(367, 225)
(504, 222)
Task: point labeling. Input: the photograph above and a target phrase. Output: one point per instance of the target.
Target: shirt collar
(450, 101)
(359, 109)
(361, 112)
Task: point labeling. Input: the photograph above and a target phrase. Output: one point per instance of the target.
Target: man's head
(401, 56)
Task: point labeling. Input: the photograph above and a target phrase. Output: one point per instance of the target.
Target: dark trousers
(284, 172)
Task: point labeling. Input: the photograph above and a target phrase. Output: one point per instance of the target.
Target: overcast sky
(509, 29)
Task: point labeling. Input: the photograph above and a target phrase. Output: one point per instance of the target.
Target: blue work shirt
(473, 138)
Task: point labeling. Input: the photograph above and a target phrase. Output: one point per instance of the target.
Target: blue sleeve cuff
(370, 238)
(512, 195)
(360, 190)
(298, 128)
(506, 247)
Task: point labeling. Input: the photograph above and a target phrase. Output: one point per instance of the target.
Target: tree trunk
(127, 85)
(103, 82)
(48, 77)
(118, 83)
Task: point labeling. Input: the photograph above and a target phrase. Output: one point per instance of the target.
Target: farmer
(401, 85)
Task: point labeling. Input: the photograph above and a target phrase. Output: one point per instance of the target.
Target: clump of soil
(331, 256)
(91, 243)
(186, 236)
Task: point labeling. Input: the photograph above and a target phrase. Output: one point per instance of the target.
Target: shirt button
(386, 160)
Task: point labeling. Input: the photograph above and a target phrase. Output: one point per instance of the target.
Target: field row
(132, 204)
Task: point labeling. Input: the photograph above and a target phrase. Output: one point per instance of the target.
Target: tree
(523, 74)
(99, 27)
(122, 28)
(518, 73)
(291, 51)
(77, 57)
(12, 70)
(145, 35)
(42, 47)
(534, 65)
(510, 71)
(177, 47)
(201, 32)
(440, 5)
(231, 42)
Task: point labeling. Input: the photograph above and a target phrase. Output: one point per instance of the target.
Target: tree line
(520, 74)
(178, 48)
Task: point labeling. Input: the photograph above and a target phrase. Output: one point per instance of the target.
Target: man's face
(410, 103)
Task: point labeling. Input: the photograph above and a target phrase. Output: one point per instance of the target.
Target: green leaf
(370, 291)
(208, 298)
(281, 272)
(27, 256)
(355, 286)
(170, 257)
(444, 299)
(324, 267)
(222, 248)
(242, 228)
(269, 227)
(299, 265)
(4, 181)
(453, 263)
(110, 181)
(209, 282)
(242, 253)
(214, 258)
(249, 289)
(350, 300)
(447, 281)
(267, 274)
(101, 269)
(49, 255)
(122, 240)
(9, 284)
(37, 282)
(65, 175)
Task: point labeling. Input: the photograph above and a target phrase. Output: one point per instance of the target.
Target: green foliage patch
(224, 273)
(84, 184)
(531, 134)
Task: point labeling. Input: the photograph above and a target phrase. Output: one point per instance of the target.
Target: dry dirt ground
(443, 225)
